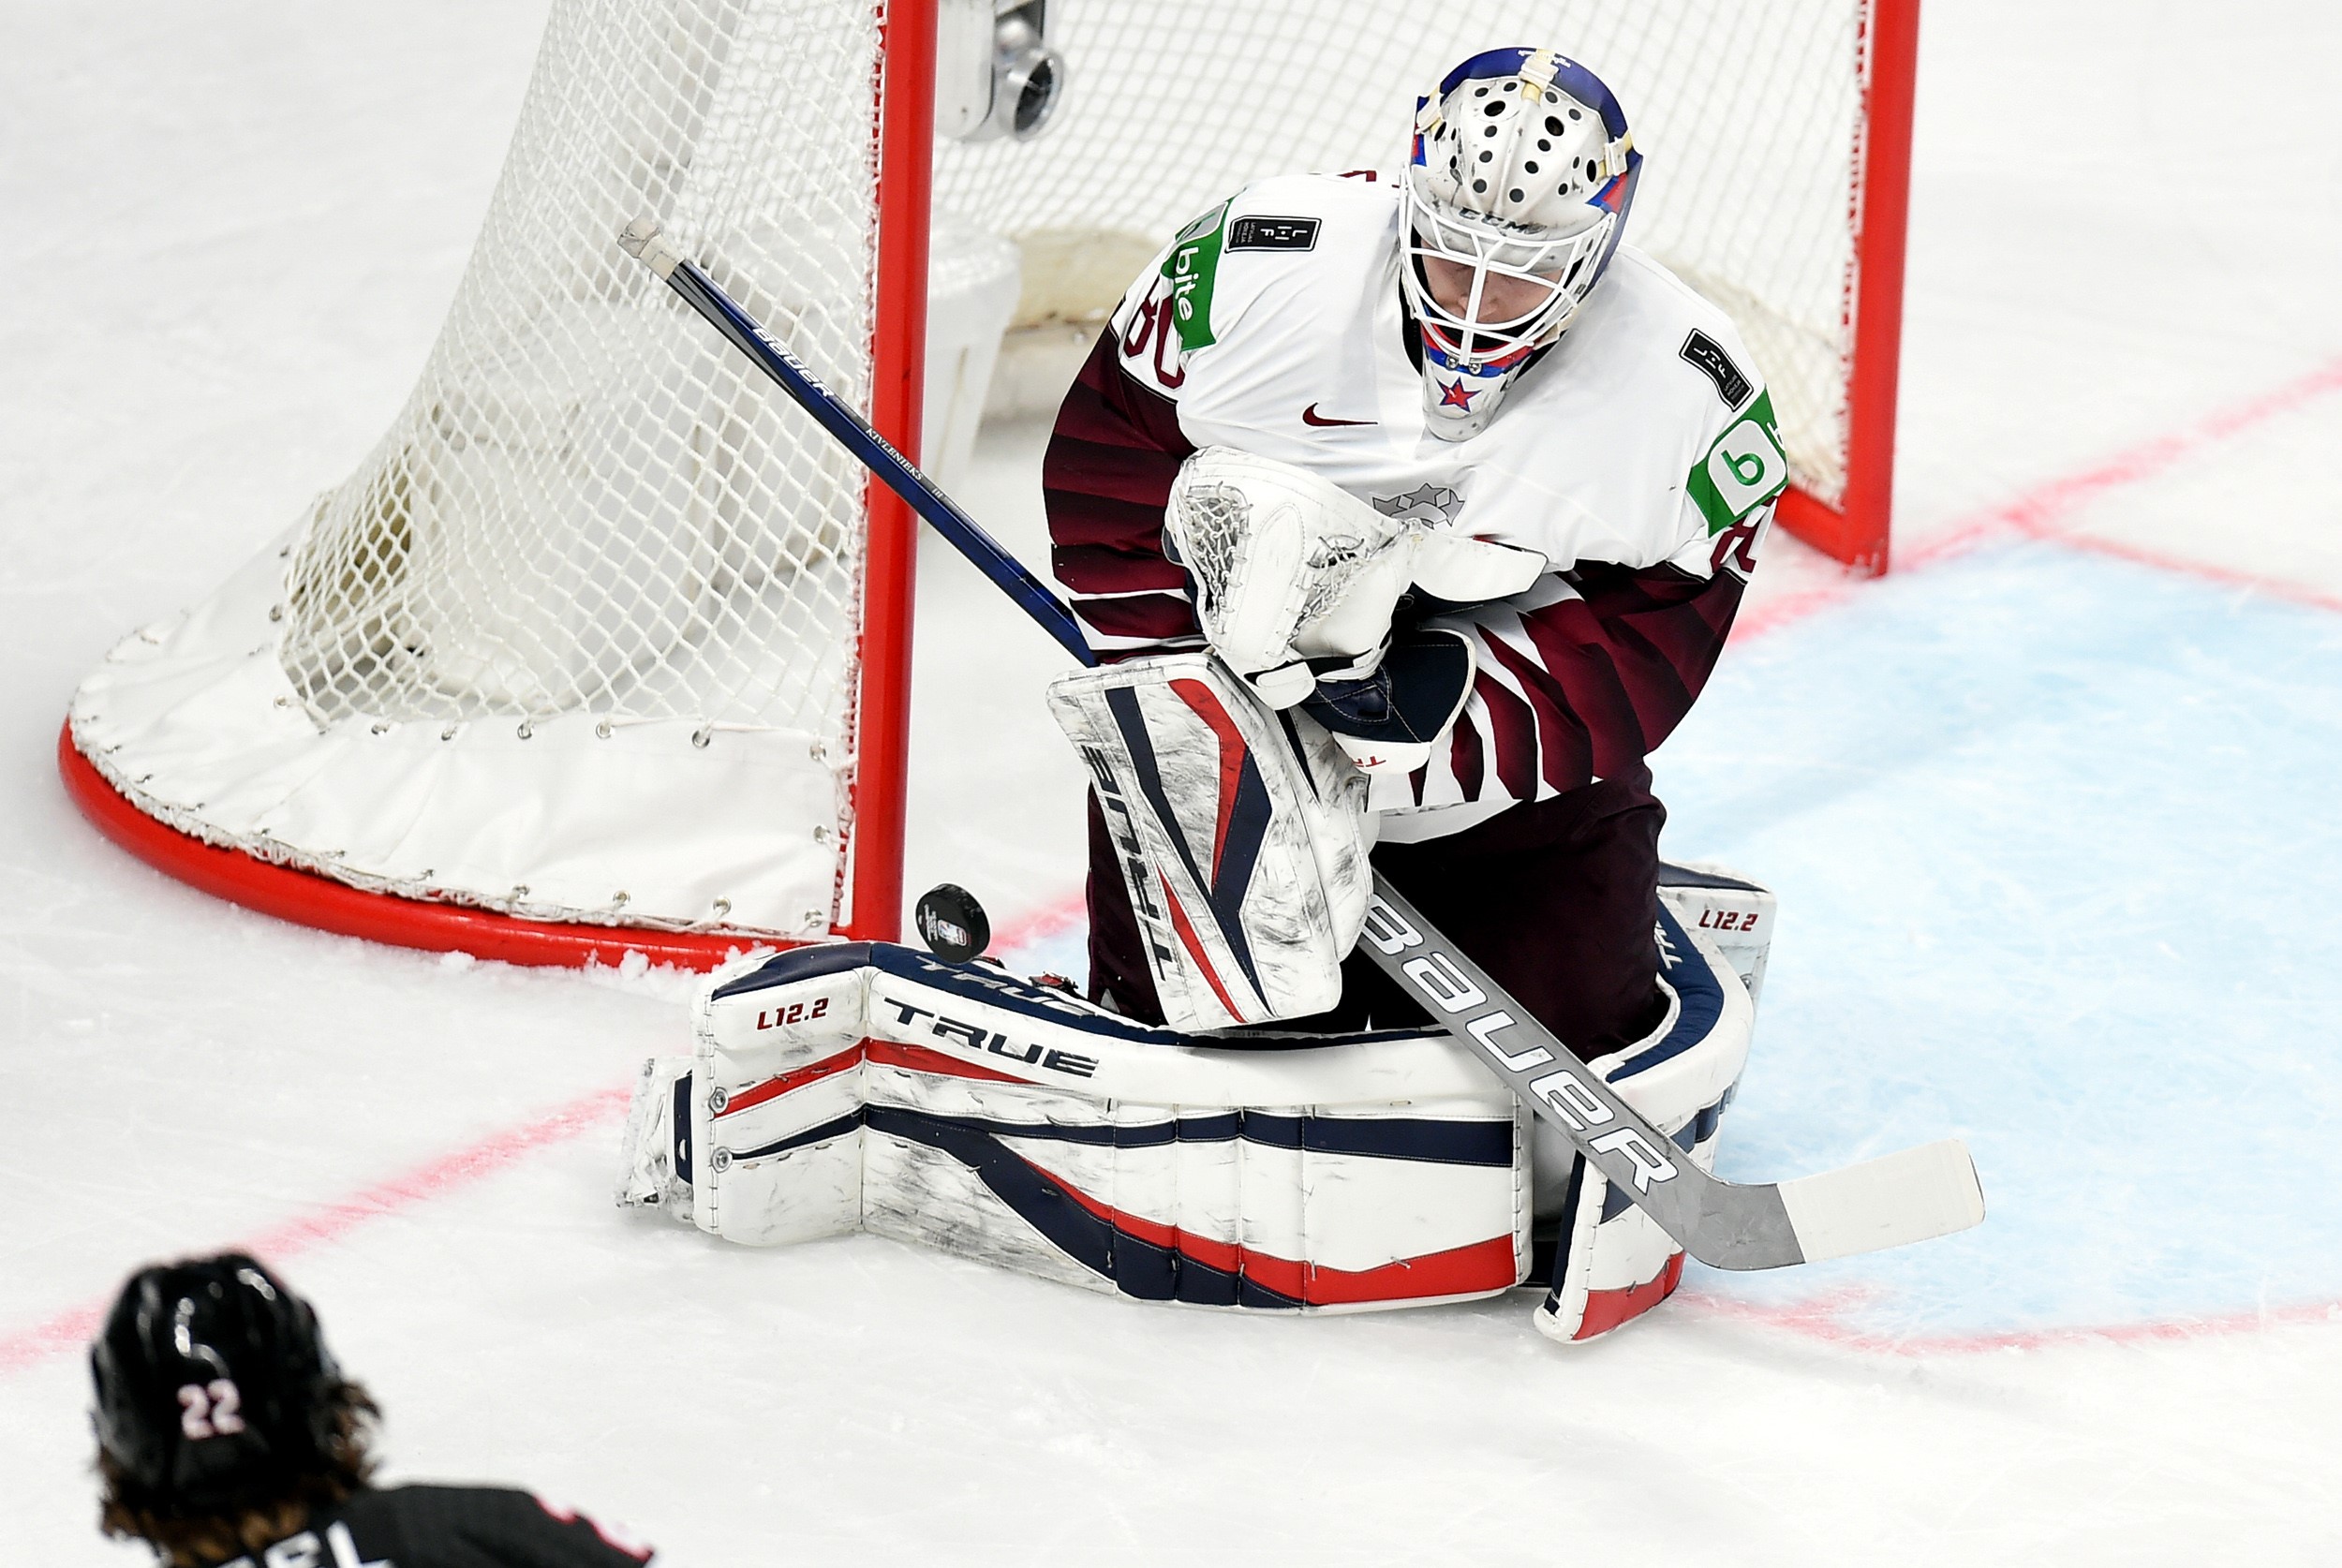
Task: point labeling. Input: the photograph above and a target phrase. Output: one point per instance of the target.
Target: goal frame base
(305, 898)
(1858, 544)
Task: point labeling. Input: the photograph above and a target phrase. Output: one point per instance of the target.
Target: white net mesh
(592, 507)
(590, 502)
(1745, 111)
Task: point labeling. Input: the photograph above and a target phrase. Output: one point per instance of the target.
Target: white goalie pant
(1241, 835)
(870, 1087)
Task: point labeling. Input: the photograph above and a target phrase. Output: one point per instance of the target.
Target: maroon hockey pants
(1555, 899)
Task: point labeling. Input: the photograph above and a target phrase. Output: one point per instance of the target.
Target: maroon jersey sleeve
(1586, 685)
(1105, 481)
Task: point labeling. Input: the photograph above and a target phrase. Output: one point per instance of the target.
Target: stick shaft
(1641, 1162)
(894, 470)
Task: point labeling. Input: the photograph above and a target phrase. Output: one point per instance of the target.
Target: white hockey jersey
(1637, 455)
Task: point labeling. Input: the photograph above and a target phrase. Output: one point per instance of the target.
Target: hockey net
(577, 641)
(1748, 113)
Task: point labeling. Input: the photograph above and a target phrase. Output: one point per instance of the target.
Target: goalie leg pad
(655, 1154)
(1240, 837)
(1615, 1262)
(873, 1087)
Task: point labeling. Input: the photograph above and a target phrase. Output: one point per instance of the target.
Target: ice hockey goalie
(1409, 515)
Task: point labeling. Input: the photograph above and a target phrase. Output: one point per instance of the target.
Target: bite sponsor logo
(1565, 1088)
(1309, 416)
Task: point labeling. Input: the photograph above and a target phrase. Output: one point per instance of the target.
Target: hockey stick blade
(1912, 1196)
(642, 240)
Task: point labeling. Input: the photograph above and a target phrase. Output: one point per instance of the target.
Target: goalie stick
(641, 239)
(1914, 1195)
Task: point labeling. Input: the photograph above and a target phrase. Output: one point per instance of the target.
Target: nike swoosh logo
(1311, 416)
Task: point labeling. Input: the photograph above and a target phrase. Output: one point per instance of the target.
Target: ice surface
(2052, 834)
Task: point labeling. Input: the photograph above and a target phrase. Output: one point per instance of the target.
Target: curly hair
(186, 1538)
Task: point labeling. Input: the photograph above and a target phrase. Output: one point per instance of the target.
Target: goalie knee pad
(1613, 1263)
(1240, 835)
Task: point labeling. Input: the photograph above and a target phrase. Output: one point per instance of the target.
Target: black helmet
(214, 1388)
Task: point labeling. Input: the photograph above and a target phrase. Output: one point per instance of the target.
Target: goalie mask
(1514, 199)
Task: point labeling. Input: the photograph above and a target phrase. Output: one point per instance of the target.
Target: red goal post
(1857, 531)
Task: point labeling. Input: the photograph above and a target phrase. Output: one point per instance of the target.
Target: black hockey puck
(952, 922)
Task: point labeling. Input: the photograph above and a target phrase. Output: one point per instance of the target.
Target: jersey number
(1151, 323)
(210, 1410)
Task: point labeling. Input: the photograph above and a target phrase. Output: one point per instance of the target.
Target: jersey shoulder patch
(1707, 356)
(1265, 231)
(1661, 324)
(1190, 268)
(1273, 225)
(1741, 470)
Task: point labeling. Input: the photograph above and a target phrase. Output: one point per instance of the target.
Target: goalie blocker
(1241, 834)
(870, 1087)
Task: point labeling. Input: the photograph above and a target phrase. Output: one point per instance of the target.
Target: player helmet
(215, 1387)
(1515, 194)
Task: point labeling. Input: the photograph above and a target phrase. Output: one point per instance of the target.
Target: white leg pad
(870, 1087)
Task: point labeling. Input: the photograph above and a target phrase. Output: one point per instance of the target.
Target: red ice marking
(70, 1331)
(1823, 1318)
(2276, 588)
(2046, 510)
(1043, 924)
(2043, 509)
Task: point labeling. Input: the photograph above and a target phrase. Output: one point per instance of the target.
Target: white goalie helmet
(1515, 196)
